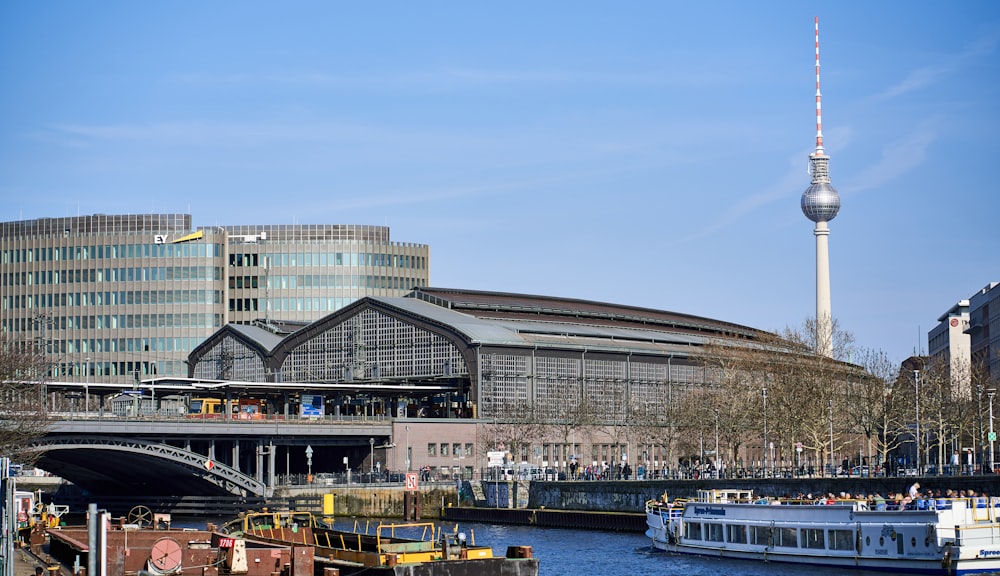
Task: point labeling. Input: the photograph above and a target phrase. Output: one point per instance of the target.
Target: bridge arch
(116, 465)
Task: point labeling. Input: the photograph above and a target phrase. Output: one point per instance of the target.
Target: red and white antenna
(819, 107)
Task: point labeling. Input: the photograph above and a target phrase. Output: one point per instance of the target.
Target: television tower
(820, 203)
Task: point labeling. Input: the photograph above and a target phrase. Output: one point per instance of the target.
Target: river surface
(586, 552)
(564, 552)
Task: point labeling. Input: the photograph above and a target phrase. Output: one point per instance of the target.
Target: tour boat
(950, 537)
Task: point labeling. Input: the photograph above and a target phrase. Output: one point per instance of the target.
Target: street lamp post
(764, 392)
(916, 402)
(407, 448)
(993, 436)
(717, 469)
(371, 462)
(309, 461)
(86, 388)
(830, 461)
(979, 393)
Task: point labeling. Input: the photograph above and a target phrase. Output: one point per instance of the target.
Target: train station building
(459, 373)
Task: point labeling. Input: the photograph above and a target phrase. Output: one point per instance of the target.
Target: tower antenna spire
(819, 98)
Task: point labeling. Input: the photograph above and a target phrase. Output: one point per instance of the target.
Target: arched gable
(374, 341)
(230, 354)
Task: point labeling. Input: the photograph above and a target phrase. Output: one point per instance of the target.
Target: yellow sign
(191, 236)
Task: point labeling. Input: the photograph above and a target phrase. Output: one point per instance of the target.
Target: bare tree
(655, 426)
(515, 428)
(738, 374)
(808, 334)
(813, 404)
(23, 418)
(870, 408)
(574, 416)
(981, 384)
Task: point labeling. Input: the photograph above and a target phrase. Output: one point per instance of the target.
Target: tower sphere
(820, 202)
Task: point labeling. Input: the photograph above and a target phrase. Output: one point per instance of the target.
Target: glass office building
(116, 297)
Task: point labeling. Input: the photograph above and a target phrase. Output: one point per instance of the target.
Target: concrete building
(948, 345)
(120, 297)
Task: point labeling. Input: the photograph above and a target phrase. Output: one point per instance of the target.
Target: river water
(563, 552)
(587, 552)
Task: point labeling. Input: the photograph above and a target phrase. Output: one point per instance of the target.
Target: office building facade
(120, 297)
(984, 331)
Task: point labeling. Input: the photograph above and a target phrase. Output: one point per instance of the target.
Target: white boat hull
(959, 540)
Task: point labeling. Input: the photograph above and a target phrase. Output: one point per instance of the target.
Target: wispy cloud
(795, 178)
(928, 75)
(898, 157)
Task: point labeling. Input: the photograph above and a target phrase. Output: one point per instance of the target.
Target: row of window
(765, 535)
(96, 370)
(341, 281)
(113, 322)
(61, 253)
(83, 346)
(445, 449)
(286, 259)
(118, 298)
(88, 275)
(326, 282)
(193, 250)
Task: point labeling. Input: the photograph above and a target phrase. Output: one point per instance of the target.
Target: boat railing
(673, 508)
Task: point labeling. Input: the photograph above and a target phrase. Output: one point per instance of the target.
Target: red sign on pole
(411, 480)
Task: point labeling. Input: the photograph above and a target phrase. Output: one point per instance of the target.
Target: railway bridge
(110, 455)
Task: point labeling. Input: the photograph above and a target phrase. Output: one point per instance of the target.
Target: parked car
(860, 471)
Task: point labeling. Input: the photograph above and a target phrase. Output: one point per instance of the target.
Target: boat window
(841, 539)
(692, 530)
(760, 535)
(713, 532)
(787, 537)
(812, 538)
(736, 533)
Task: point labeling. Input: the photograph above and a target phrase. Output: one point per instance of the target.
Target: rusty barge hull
(196, 552)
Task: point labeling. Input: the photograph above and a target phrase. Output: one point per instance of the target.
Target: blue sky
(643, 153)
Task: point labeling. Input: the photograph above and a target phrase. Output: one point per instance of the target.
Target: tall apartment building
(116, 297)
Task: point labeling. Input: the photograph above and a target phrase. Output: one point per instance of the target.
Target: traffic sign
(411, 480)
(993, 436)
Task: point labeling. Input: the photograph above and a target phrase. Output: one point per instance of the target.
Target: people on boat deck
(879, 501)
(914, 491)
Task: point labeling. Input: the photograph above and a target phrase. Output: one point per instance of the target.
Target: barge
(384, 551)
(158, 550)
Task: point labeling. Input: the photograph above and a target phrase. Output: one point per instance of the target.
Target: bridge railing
(275, 418)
